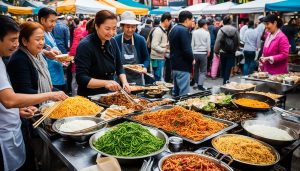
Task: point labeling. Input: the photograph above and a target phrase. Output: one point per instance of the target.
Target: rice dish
(76, 125)
(269, 132)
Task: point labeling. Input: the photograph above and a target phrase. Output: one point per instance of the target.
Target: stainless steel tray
(230, 124)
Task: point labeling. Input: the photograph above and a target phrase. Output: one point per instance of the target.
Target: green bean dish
(128, 139)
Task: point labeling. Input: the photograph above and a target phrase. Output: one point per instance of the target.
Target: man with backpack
(226, 45)
(160, 45)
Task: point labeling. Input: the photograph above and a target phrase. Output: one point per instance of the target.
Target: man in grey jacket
(160, 45)
(201, 50)
(226, 45)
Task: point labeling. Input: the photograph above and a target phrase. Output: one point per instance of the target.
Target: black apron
(129, 56)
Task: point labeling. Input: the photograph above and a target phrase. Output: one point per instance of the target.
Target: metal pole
(237, 21)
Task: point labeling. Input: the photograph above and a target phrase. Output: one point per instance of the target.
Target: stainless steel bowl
(154, 131)
(246, 164)
(80, 137)
(273, 142)
(211, 159)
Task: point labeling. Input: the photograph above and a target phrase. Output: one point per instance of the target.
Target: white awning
(222, 8)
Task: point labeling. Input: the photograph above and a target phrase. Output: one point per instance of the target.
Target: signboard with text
(177, 2)
(159, 2)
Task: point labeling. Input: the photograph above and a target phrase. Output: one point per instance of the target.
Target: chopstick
(46, 114)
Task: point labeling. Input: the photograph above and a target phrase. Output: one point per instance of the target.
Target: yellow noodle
(245, 149)
(75, 106)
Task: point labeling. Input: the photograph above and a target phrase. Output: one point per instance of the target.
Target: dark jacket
(62, 36)
(94, 62)
(213, 35)
(290, 31)
(141, 48)
(23, 75)
(145, 31)
(180, 48)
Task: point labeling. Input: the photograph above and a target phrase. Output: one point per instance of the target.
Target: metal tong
(130, 98)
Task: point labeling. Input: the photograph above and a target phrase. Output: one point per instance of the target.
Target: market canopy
(132, 3)
(35, 4)
(66, 6)
(222, 8)
(91, 7)
(288, 6)
(196, 9)
(82, 7)
(15, 9)
(120, 8)
(256, 6)
(162, 10)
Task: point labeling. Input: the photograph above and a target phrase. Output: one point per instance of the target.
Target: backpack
(150, 36)
(229, 44)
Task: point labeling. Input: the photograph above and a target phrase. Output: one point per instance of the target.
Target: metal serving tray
(230, 124)
(198, 94)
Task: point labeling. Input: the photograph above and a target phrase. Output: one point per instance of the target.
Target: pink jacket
(279, 50)
(79, 33)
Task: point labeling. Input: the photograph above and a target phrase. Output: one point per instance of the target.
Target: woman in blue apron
(133, 48)
(129, 56)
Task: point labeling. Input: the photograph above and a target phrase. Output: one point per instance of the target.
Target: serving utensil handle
(230, 159)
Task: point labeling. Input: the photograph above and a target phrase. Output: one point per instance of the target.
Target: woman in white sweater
(201, 50)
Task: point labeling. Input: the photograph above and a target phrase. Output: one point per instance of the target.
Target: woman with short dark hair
(98, 58)
(276, 47)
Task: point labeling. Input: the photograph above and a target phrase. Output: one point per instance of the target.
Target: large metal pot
(211, 159)
(154, 131)
(278, 143)
(80, 137)
(241, 164)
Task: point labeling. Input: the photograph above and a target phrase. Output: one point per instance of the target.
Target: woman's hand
(267, 59)
(27, 112)
(112, 85)
(58, 96)
(126, 87)
(144, 70)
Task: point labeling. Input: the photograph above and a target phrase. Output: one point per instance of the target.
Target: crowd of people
(180, 51)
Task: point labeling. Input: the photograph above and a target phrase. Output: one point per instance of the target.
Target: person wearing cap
(61, 34)
(146, 30)
(201, 49)
(275, 54)
(133, 47)
(47, 18)
(260, 28)
(98, 58)
(181, 53)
